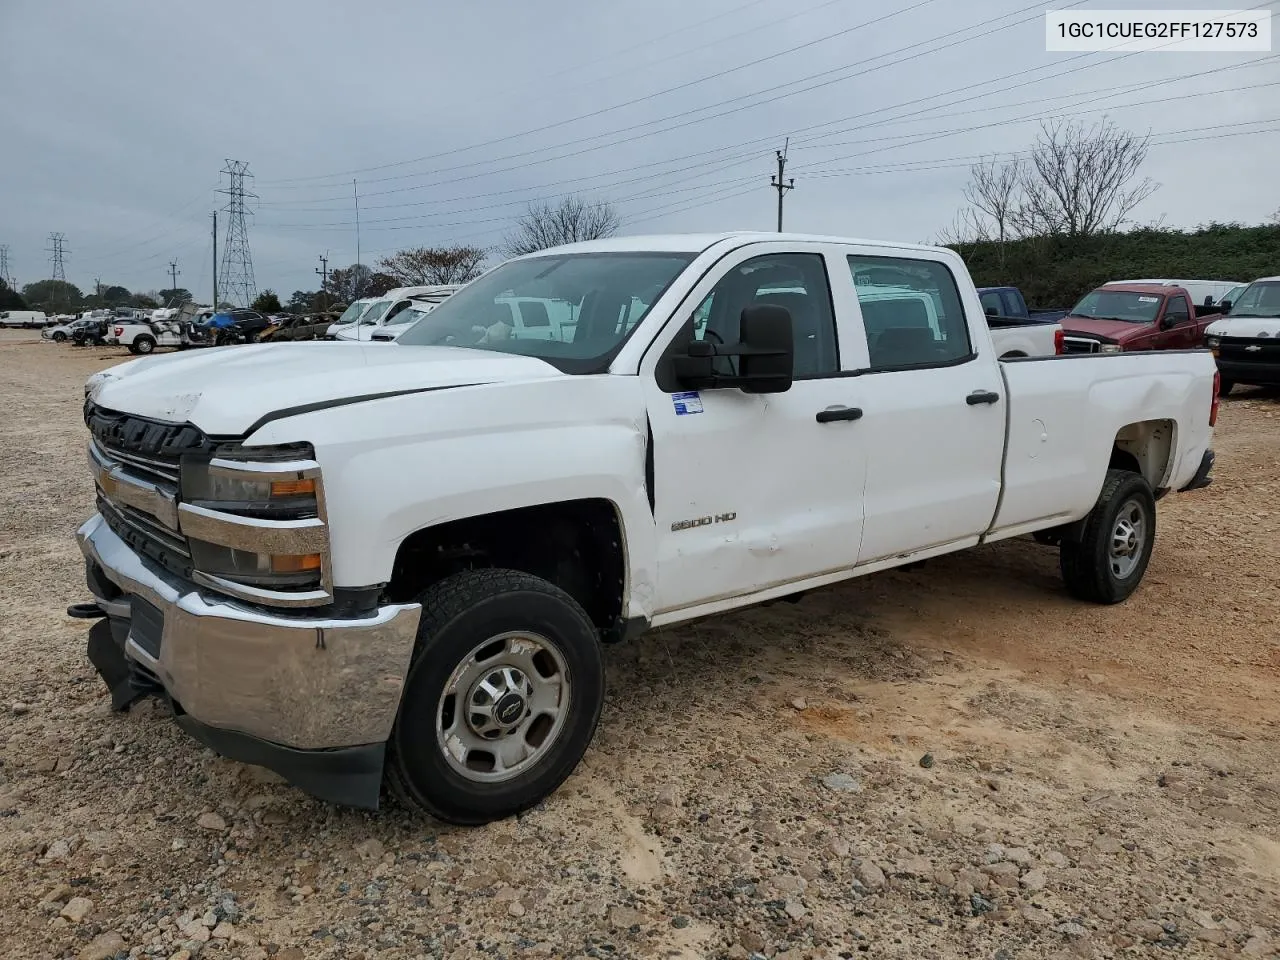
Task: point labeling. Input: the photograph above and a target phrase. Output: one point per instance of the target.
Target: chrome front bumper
(301, 682)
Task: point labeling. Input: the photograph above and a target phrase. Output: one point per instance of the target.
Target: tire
(58, 337)
(463, 615)
(142, 345)
(1225, 387)
(1090, 568)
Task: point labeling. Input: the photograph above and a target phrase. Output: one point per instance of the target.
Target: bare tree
(571, 220)
(966, 229)
(1081, 181)
(425, 266)
(993, 189)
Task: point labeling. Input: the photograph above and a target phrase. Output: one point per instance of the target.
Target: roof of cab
(1156, 288)
(699, 242)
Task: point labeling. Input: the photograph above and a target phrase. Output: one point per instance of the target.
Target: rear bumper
(312, 698)
(1202, 477)
(1259, 374)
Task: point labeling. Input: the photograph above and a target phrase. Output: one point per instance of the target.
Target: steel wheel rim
(503, 707)
(1128, 539)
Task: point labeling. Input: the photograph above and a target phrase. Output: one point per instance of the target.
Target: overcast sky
(118, 116)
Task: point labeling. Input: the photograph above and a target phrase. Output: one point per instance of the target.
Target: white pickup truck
(728, 424)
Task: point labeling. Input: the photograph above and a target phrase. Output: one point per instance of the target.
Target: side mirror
(766, 355)
(1225, 305)
(1167, 322)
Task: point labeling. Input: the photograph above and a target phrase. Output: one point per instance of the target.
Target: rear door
(933, 400)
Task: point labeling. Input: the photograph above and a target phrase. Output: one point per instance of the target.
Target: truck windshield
(374, 312)
(608, 293)
(1258, 300)
(349, 315)
(1119, 305)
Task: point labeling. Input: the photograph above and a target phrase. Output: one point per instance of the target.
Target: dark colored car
(1007, 303)
(298, 328)
(237, 325)
(1136, 316)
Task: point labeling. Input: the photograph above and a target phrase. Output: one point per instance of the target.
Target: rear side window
(918, 321)
(991, 304)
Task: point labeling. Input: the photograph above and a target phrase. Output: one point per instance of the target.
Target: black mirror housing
(766, 355)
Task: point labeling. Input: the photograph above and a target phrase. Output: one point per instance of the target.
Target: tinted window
(1177, 310)
(917, 322)
(991, 304)
(797, 281)
(1258, 300)
(534, 313)
(1014, 305)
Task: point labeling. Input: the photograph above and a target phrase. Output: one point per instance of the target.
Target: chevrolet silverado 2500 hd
(398, 562)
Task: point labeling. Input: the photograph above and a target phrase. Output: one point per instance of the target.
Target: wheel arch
(578, 545)
(1146, 447)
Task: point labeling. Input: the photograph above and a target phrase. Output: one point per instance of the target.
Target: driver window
(1177, 311)
(797, 281)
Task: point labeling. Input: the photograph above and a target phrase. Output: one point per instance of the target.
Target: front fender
(397, 465)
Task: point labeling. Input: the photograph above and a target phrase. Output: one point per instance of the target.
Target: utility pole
(359, 273)
(237, 261)
(173, 276)
(323, 271)
(778, 183)
(215, 261)
(97, 289)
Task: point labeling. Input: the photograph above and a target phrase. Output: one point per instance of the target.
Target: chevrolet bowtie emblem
(1252, 348)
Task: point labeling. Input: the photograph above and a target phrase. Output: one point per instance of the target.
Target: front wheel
(1108, 561)
(501, 700)
(58, 337)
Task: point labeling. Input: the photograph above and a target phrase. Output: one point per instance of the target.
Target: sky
(451, 118)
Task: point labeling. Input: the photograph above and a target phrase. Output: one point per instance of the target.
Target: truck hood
(1244, 327)
(1116, 331)
(226, 390)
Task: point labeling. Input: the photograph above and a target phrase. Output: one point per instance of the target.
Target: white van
(383, 311)
(27, 319)
(1204, 293)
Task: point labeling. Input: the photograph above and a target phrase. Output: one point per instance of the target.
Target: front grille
(152, 446)
(1237, 350)
(147, 537)
(1079, 345)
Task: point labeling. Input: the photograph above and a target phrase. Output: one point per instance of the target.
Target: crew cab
(403, 568)
(1017, 331)
(1246, 342)
(1121, 317)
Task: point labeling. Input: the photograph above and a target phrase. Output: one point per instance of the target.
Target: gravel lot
(958, 761)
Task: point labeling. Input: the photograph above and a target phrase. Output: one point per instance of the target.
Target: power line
(626, 103)
(237, 261)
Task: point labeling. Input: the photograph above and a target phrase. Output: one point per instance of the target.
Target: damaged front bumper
(311, 698)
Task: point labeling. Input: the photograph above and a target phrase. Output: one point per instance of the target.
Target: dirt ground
(959, 761)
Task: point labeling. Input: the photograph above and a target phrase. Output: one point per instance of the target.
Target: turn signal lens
(293, 488)
(295, 563)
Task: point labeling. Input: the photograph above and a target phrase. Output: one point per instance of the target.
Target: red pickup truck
(1136, 316)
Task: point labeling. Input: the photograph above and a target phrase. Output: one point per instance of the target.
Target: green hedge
(1056, 272)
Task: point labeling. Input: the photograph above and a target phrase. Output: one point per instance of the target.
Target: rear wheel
(501, 700)
(1109, 560)
(142, 345)
(1225, 387)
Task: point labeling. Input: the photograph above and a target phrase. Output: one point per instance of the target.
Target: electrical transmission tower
(5, 276)
(57, 254)
(235, 279)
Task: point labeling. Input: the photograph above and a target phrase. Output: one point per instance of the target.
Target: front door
(934, 414)
(755, 491)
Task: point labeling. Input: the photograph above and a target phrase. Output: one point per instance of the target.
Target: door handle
(982, 396)
(839, 413)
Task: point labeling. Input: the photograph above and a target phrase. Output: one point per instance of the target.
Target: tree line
(1056, 222)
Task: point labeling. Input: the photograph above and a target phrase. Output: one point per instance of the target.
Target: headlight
(254, 519)
(1109, 348)
(1213, 343)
